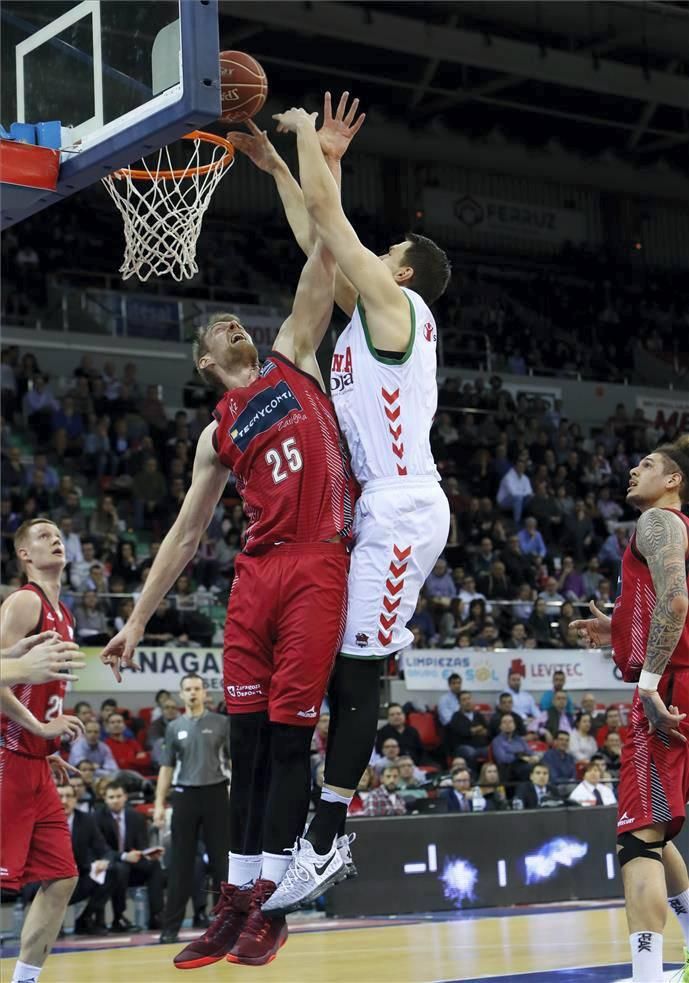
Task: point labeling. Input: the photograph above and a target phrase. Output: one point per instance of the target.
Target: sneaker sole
(335, 878)
(197, 963)
(256, 961)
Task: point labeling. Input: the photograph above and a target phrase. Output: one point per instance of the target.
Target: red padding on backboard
(32, 167)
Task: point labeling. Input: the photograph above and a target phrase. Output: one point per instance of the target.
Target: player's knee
(631, 847)
(289, 743)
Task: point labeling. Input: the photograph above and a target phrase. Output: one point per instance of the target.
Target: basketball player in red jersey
(34, 837)
(649, 632)
(275, 429)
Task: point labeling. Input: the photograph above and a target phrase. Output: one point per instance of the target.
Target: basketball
(243, 86)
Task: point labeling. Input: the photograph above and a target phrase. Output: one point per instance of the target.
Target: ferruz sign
(509, 219)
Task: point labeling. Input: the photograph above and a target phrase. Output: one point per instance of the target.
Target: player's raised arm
(662, 539)
(372, 279)
(302, 332)
(177, 549)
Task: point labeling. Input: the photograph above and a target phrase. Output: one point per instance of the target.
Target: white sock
(243, 869)
(23, 973)
(275, 866)
(647, 956)
(680, 906)
(327, 795)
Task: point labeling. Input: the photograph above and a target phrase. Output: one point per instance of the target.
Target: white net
(163, 211)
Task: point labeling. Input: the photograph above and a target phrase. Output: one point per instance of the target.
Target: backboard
(123, 77)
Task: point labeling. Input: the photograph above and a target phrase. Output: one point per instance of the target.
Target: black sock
(325, 825)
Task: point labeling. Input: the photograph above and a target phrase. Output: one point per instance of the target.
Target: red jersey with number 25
(631, 618)
(280, 438)
(43, 700)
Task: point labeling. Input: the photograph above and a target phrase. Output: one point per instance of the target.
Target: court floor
(553, 944)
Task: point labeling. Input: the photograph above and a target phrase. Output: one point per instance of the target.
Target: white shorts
(400, 529)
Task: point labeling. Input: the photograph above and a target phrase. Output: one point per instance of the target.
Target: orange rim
(227, 158)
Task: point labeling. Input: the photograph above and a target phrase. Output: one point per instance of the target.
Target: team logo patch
(361, 639)
(429, 332)
(262, 412)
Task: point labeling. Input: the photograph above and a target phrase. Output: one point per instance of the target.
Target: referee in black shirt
(193, 751)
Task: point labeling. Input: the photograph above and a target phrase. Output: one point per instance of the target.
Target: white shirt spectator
(524, 704)
(582, 746)
(448, 705)
(72, 544)
(513, 485)
(585, 794)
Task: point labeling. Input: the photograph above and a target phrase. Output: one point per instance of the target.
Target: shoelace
(296, 870)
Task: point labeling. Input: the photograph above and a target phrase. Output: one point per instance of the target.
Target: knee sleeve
(354, 696)
(632, 847)
(250, 753)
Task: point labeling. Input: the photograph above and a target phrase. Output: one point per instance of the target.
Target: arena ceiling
(596, 76)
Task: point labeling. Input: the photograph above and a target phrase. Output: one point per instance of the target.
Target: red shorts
(285, 620)
(654, 777)
(35, 842)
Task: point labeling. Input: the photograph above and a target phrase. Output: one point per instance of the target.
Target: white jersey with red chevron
(385, 406)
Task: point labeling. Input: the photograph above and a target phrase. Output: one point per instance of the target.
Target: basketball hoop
(162, 218)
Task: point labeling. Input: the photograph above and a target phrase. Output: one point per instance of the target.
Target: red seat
(537, 746)
(581, 768)
(427, 726)
(485, 708)
(145, 714)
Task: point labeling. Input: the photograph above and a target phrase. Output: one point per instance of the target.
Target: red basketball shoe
(261, 937)
(230, 917)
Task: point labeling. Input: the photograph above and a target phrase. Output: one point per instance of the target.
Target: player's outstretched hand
(292, 119)
(336, 133)
(119, 652)
(45, 657)
(61, 768)
(62, 726)
(660, 717)
(597, 630)
(257, 147)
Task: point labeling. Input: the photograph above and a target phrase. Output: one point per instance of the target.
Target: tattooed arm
(662, 539)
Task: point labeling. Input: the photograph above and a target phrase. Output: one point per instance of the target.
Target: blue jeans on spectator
(516, 503)
(472, 754)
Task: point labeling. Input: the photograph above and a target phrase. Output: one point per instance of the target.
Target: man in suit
(124, 830)
(458, 798)
(90, 850)
(467, 732)
(537, 792)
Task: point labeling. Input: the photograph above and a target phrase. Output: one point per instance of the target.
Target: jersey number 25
(292, 459)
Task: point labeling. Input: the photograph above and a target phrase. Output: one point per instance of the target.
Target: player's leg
(677, 883)
(247, 667)
(41, 925)
(643, 876)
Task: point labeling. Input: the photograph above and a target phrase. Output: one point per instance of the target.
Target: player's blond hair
(676, 457)
(21, 536)
(199, 346)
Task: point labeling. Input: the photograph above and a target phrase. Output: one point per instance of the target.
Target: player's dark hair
(430, 265)
(676, 457)
(199, 346)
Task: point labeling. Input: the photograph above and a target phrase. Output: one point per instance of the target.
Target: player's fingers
(239, 140)
(342, 105)
(45, 636)
(596, 611)
(327, 107)
(352, 112)
(257, 131)
(357, 126)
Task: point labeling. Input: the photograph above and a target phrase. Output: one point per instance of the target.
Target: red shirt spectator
(127, 753)
(612, 725)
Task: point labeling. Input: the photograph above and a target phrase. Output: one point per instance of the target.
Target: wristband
(649, 680)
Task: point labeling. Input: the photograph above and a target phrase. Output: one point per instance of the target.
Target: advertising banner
(509, 219)
(161, 668)
(665, 412)
(428, 669)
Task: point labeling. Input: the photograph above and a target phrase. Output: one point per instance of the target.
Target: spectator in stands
(440, 586)
(91, 748)
(567, 614)
(511, 752)
(389, 754)
(582, 743)
(591, 791)
(92, 625)
(612, 551)
(458, 797)
(491, 789)
(556, 716)
(609, 510)
(448, 704)
(153, 412)
(170, 711)
(530, 540)
(506, 705)
(397, 727)
(126, 752)
(522, 610)
(411, 779)
(570, 583)
(539, 627)
(613, 725)
(84, 711)
(88, 770)
(13, 472)
(149, 490)
(612, 751)
(496, 584)
(38, 490)
(604, 594)
(544, 509)
(85, 796)
(591, 578)
(80, 570)
(125, 832)
(468, 594)
(386, 799)
(467, 732)
(578, 535)
(537, 792)
(68, 430)
(519, 567)
(98, 456)
(40, 463)
(561, 763)
(367, 783)
(71, 508)
(484, 558)
(523, 703)
(38, 407)
(105, 524)
(515, 489)
(553, 599)
(165, 626)
(588, 705)
(519, 638)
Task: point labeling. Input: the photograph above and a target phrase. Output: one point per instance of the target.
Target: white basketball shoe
(307, 877)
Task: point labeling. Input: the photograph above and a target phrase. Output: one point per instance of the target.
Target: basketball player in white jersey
(384, 389)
